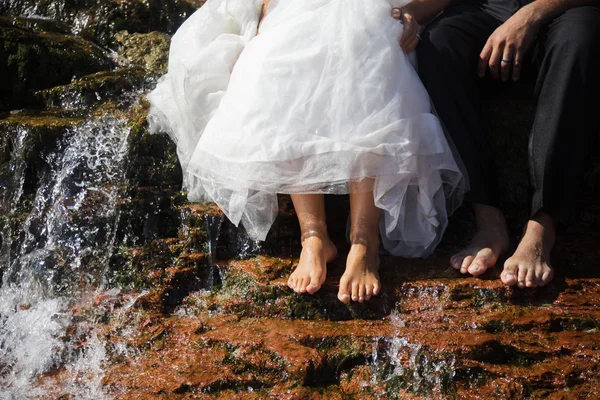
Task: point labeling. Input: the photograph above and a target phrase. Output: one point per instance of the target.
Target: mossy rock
(147, 50)
(93, 89)
(36, 25)
(32, 61)
(47, 126)
(99, 20)
(39, 132)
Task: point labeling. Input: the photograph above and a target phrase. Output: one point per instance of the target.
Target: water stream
(58, 253)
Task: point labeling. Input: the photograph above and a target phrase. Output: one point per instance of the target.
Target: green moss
(93, 89)
(582, 324)
(147, 50)
(484, 297)
(140, 268)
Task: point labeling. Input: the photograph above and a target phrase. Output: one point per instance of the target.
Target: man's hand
(410, 35)
(505, 48)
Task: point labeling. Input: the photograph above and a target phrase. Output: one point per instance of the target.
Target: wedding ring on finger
(507, 60)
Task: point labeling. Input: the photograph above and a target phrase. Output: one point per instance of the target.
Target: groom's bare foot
(530, 266)
(360, 281)
(488, 244)
(311, 271)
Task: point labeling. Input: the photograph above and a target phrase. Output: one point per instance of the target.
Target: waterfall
(402, 364)
(58, 253)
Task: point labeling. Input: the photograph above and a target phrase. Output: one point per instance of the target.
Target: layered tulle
(321, 97)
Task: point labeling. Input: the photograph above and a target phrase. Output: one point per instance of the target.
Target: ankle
(488, 216)
(541, 228)
(314, 235)
(362, 238)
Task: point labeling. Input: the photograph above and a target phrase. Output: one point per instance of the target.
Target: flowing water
(58, 254)
(401, 364)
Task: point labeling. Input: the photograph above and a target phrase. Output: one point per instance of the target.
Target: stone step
(206, 353)
(94, 89)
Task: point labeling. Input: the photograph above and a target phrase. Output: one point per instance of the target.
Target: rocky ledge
(190, 308)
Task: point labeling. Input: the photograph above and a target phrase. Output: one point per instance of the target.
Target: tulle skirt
(321, 97)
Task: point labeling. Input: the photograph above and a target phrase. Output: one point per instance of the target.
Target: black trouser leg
(568, 111)
(448, 55)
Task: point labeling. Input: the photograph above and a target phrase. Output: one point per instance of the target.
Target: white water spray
(60, 253)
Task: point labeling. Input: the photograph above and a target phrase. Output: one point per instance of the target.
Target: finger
(396, 13)
(506, 62)
(484, 58)
(494, 62)
(409, 29)
(414, 30)
(411, 46)
(517, 66)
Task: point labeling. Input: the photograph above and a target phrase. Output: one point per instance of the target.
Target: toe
(530, 278)
(509, 274)
(343, 294)
(368, 292)
(361, 293)
(478, 266)
(291, 282)
(464, 266)
(546, 277)
(301, 285)
(314, 285)
(376, 288)
(355, 292)
(521, 276)
(456, 261)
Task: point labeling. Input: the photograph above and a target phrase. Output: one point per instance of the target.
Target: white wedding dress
(323, 95)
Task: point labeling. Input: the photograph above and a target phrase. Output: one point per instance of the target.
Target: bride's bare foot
(360, 281)
(530, 266)
(311, 271)
(490, 241)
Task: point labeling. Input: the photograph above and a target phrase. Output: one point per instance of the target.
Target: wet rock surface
(167, 300)
(31, 61)
(99, 20)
